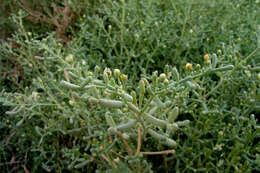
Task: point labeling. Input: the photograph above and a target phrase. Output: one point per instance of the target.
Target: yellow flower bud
(206, 57)
(90, 73)
(101, 148)
(123, 77)
(188, 66)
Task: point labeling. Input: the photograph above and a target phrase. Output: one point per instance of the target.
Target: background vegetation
(132, 86)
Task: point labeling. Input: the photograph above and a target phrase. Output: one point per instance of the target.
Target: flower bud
(116, 73)
(35, 95)
(206, 57)
(123, 78)
(166, 81)
(71, 102)
(176, 74)
(198, 66)
(188, 66)
(90, 73)
(69, 58)
(248, 73)
(83, 62)
(162, 76)
(97, 69)
(142, 86)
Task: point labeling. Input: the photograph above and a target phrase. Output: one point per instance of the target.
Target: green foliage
(141, 86)
(144, 36)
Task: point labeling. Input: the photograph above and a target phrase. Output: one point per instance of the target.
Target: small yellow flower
(123, 77)
(108, 72)
(188, 66)
(90, 73)
(206, 57)
(101, 148)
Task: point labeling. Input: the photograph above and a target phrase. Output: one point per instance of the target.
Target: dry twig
(105, 158)
(61, 17)
(159, 152)
(139, 141)
(126, 144)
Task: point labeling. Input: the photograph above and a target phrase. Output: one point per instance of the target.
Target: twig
(139, 141)
(66, 74)
(8, 139)
(159, 152)
(14, 169)
(119, 155)
(25, 169)
(108, 161)
(126, 144)
(10, 163)
(165, 163)
(105, 158)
